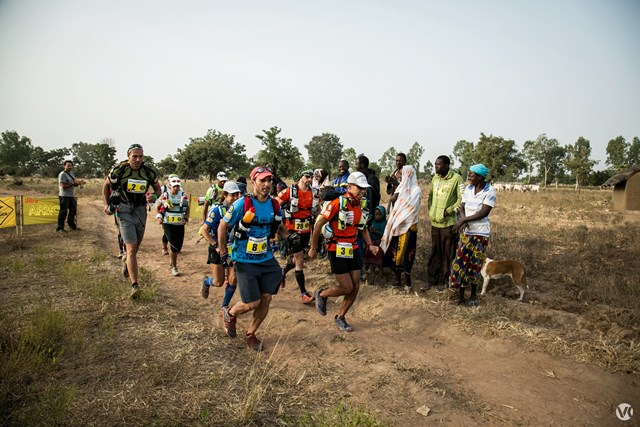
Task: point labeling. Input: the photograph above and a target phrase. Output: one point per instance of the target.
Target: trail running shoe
(135, 291)
(204, 290)
(306, 298)
(321, 302)
(253, 342)
(342, 324)
(174, 271)
(229, 323)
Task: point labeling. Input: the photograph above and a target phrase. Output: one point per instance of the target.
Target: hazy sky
(375, 73)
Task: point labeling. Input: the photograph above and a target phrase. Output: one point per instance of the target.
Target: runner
(257, 219)
(212, 196)
(339, 222)
(173, 214)
(299, 203)
(220, 275)
(131, 179)
(165, 189)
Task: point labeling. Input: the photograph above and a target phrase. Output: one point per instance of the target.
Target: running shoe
(135, 291)
(321, 302)
(306, 298)
(174, 271)
(342, 324)
(229, 323)
(253, 342)
(204, 290)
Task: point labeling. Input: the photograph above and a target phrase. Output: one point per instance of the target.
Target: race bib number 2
(257, 246)
(344, 250)
(136, 186)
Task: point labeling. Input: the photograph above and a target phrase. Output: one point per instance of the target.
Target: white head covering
(406, 209)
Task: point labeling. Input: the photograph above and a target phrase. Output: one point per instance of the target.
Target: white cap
(231, 187)
(222, 176)
(358, 179)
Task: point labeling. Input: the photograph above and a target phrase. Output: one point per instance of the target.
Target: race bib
(174, 218)
(344, 250)
(257, 246)
(302, 224)
(136, 186)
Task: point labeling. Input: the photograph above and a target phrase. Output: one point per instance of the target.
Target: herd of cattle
(499, 186)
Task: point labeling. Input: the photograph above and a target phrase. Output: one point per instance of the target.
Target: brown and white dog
(495, 269)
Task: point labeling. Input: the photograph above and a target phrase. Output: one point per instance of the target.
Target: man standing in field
(67, 183)
(131, 181)
(444, 198)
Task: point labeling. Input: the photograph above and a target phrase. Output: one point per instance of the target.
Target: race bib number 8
(257, 246)
(344, 250)
(136, 186)
(302, 224)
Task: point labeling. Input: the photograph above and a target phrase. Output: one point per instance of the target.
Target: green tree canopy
(414, 155)
(387, 162)
(92, 160)
(15, 154)
(210, 154)
(167, 166)
(500, 156)
(463, 153)
(279, 152)
(546, 155)
(634, 152)
(578, 160)
(323, 150)
(348, 154)
(618, 154)
(49, 163)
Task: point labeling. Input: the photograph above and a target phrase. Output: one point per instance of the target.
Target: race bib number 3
(136, 186)
(302, 224)
(344, 250)
(257, 246)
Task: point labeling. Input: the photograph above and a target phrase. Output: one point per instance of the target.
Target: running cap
(231, 187)
(358, 179)
(260, 172)
(222, 176)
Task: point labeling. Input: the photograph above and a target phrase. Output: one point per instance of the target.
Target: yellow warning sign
(7, 212)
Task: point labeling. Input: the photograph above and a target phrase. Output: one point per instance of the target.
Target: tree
(210, 154)
(545, 154)
(578, 161)
(349, 154)
(323, 150)
(387, 162)
(279, 152)
(49, 163)
(15, 154)
(634, 152)
(427, 171)
(500, 156)
(92, 160)
(414, 155)
(167, 166)
(464, 153)
(618, 154)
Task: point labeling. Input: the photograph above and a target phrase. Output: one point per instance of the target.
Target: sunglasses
(307, 175)
(134, 147)
(260, 170)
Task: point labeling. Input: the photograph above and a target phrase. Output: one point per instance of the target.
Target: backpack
(248, 204)
(291, 206)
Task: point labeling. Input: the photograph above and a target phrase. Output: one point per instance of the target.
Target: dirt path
(399, 357)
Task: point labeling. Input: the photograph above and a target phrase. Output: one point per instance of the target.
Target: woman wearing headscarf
(401, 233)
(478, 199)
